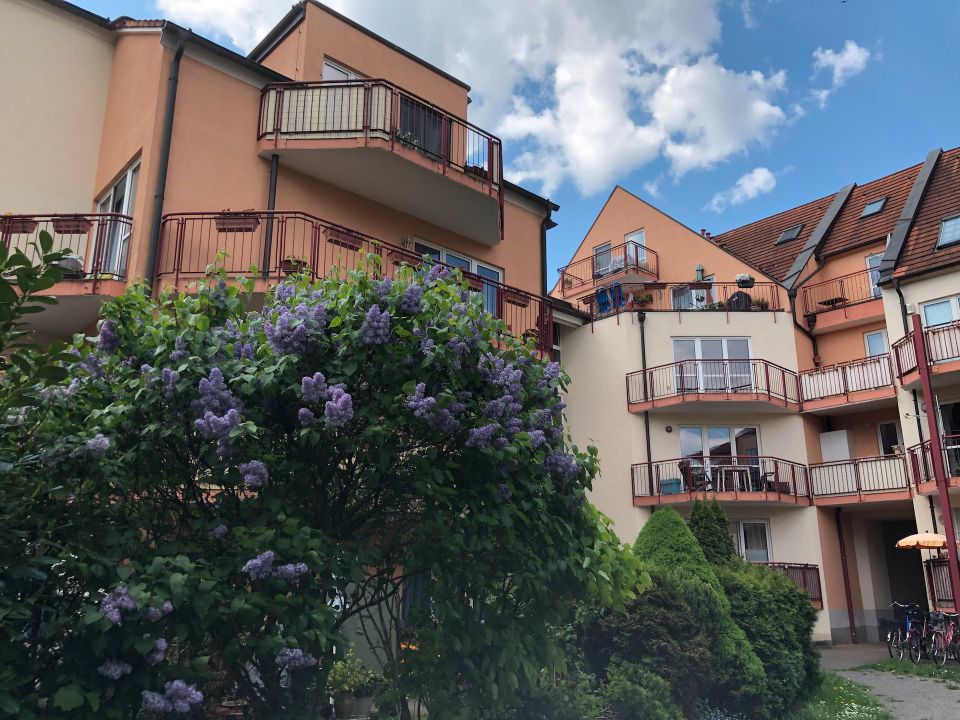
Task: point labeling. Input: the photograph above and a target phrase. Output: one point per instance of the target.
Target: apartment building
(777, 367)
(147, 149)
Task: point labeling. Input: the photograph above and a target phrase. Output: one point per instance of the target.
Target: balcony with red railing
(628, 263)
(714, 384)
(921, 461)
(281, 243)
(874, 479)
(865, 381)
(97, 243)
(747, 478)
(384, 143)
(655, 296)
(842, 302)
(805, 576)
(943, 352)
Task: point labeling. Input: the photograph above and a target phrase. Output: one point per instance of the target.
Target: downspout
(545, 225)
(916, 400)
(165, 143)
(271, 204)
(641, 318)
(792, 296)
(846, 577)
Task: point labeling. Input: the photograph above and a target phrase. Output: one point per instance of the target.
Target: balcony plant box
(293, 265)
(408, 138)
(515, 298)
(475, 283)
(643, 300)
(344, 238)
(17, 225)
(745, 281)
(72, 225)
(700, 285)
(480, 172)
(243, 221)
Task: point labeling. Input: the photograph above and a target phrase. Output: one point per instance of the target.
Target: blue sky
(683, 98)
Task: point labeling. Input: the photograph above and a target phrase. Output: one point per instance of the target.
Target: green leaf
(69, 697)
(8, 704)
(93, 700)
(46, 245)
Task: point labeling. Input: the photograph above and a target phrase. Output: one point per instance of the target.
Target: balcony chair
(695, 479)
(739, 302)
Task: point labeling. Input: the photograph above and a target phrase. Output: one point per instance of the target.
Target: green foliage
(634, 693)
(709, 525)
(143, 491)
(840, 698)
(349, 675)
(568, 697)
(782, 638)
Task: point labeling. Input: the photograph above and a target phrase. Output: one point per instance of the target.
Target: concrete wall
(55, 90)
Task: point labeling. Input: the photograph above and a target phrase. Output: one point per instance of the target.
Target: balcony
(386, 144)
(654, 296)
(921, 461)
(943, 352)
(805, 576)
(756, 478)
(713, 384)
(868, 478)
(841, 302)
(283, 243)
(629, 263)
(867, 381)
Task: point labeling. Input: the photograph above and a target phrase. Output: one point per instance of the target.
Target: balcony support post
(846, 577)
(268, 223)
(936, 456)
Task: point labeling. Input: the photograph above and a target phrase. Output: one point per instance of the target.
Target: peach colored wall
(863, 429)
(832, 568)
(323, 35)
(813, 425)
(845, 344)
(679, 249)
(851, 262)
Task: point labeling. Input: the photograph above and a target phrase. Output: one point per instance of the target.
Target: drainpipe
(268, 225)
(846, 577)
(792, 296)
(641, 318)
(165, 142)
(545, 225)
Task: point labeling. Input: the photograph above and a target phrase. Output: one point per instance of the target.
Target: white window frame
(739, 538)
(640, 245)
(489, 297)
(695, 301)
(943, 224)
(598, 250)
(866, 342)
(702, 385)
(876, 289)
(954, 301)
(880, 436)
(117, 233)
(334, 65)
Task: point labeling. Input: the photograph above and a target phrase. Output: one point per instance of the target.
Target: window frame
(115, 232)
(874, 271)
(598, 250)
(943, 224)
(782, 239)
(473, 270)
(866, 342)
(899, 442)
(952, 300)
(641, 245)
(737, 535)
(340, 67)
(883, 204)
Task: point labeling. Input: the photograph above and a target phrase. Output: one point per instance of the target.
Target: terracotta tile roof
(920, 253)
(756, 244)
(850, 230)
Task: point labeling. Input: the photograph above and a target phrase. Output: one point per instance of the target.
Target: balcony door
(706, 365)
(950, 424)
(721, 457)
(114, 235)
(752, 540)
(635, 249)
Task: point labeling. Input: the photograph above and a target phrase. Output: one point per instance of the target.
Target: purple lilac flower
(459, 347)
(146, 369)
(290, 571)
(155, 702)
(169, 379)
(179, 350)
(552, 371)
(375, 329)
(561, 464)
(154, 614)
(108, 340)
(181, 696)
(410, 302)
(212, 426)
(159, 652)
(294, 658)
(243, 350)
(313, 387)
(254, 473)
(98, 445)
(500, 442)
(436, 272)
(306, 417)
(537, 438)
(167, 607)
(219, 532)
(422, 405)
(115, 602)
(382, 288)
(481, 437)
(214, 394)
(505, 492)
(289, 333)
(259, 567)
(92, 364)
(339, 408)
(114, 669)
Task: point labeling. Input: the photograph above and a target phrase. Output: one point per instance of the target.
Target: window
(791, 233)
(686, 298)
(873, 207)
(720, 443)
(335, 71)
(751, 538)
(602, 260)
(636, 249)
(490, 290)
(424, 128)
(941, 312)
(715, 369)
(949, 232)
(888, 436)
(116, 240)
(875, 342)
(873, 265)
(950, 425)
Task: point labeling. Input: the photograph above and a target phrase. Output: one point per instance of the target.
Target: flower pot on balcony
(237, 222)
(480, 172)
(293, 265)
(343, 704)
(746, 284)
(72, 225)
(17, 225)
(700, 285)
(643, 300)
(515, 298)
(408, 138)
(343, 237)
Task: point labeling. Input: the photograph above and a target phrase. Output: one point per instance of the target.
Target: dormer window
(791, 233)
(873, 207)
(949, 232)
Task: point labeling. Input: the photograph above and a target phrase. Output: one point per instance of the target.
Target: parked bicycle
(945, 642)
(900, 641)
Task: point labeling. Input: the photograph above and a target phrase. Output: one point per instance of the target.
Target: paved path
(845, 657)
(909, 697)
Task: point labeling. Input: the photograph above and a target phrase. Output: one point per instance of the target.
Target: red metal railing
(377, 109)
(921, 458)
(629, 258)
(284, 242)
(905, 355)
(839, 292)
(618, 297)
(737, 474)
(872, 373)
(98, 242)
(805, 576)
(938, 581)
(942, 341)
(859, 476)
(713, 379)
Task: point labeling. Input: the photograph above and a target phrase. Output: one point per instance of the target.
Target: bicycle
(950, 637)
(939, 643)
(900, 639)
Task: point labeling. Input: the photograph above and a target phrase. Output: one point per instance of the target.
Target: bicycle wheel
(900, 645)
(938, 649)
(891, 639)
(916, 648)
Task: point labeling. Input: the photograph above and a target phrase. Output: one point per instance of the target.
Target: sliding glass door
(713, 365)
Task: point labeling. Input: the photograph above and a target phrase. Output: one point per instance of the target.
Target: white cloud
(842, 65)
(746, 10)
(758, 181)
(652, 188)
(582, 93)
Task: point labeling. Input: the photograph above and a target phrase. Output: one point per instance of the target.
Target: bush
(634, 693)
(777, 618)
(709, 525)
(569, 697)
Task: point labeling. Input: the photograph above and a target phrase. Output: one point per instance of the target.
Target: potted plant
(344, 237)
(408, 138)
(568, 281)
(760, 304)
(644, 299)
(744, 280)
(72, 225)
(292, 265)
(237, 221)
(365, 694)
(346, 678)
(480, 172)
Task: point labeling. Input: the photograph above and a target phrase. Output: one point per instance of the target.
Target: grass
(843, 700)
(949, 673)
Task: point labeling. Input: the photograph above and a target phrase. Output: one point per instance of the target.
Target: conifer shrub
(709, 525)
